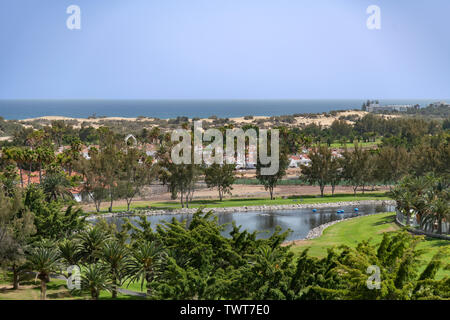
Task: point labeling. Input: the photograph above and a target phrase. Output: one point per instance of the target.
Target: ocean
(164, 109)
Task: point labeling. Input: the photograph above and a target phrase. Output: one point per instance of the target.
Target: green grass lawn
(352, 144)
(56, 290)
(369, 227)
(171, 205)
(347, 232)
(30, 290)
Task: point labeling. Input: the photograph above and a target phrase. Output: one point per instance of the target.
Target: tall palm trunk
(43, 290)
(149, 279)
(29, 173)
(15, 277)
(40, 173)
(94, 294)
(408, 216)
(114, 288)
(21, 176)
(111, 202)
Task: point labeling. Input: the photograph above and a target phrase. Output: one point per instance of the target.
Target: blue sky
(224, 49)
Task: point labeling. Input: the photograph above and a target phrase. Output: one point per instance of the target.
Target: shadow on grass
(385, 220)
(437, 243)
(124, 297)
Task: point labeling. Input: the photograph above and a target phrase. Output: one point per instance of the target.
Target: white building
(374, 107)
(440, 103)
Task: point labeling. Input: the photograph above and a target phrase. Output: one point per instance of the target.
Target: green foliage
(357, 167)
(16, 228)
(242, 267)
(44, 261)
(56, 185)
(70, 252)
(92, 241)
(221, 177)
(146, 263)
(52, 220)
(116, 257)
(94, 279)
(319, 169)
(425, 197)
(271, 181)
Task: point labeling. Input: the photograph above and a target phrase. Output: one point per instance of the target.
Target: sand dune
(319, 120)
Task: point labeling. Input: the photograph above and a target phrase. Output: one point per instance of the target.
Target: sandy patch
(324, 121)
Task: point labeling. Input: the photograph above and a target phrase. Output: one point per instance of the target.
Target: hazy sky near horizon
(224, 49)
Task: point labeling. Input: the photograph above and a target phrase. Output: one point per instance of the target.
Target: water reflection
(300, 221)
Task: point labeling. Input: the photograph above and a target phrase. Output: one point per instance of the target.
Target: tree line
(115, 170)
(181, 260)
(42, 232)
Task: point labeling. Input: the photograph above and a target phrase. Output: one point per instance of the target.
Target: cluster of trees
(8, 128)
(114, 171)
(427, 197)
(368, 128)
(385, 165)
(118, 171)
(407, 132)
(41, 232)
(26, 218)
(181, 260)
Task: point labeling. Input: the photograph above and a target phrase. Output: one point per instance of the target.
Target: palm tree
(439, 212)
(44, 261)
(145, 263)
(56, 185)
(154, 134)
(115, 256)
(420, 187)
(44, 156)
(404, 199)
(91, 244)
(17, 155)
(69, 251)
(29, 158)
(94, 279)
(74, 152)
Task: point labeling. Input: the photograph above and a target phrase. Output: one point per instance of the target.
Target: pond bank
(318, 231)
(244, 208)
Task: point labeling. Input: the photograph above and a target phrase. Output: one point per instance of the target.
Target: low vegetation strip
(351, 232)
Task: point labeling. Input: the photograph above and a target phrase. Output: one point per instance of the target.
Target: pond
(300, 221)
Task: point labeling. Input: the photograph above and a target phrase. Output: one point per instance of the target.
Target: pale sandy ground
(240, 191)
(319, 120)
